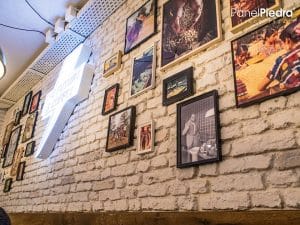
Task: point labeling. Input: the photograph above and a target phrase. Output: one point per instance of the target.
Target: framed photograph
(266, 62)
(188, 27)
(145, 138)
(178, 86)
(198, 131)
(17, 118)
(20, 171)
(26, 103)
(110, 100)
(112, 64)
(140, 26)
(121, 129)
(17, 159)
(7, 185)
(240, 12)
(7, 133)
(29, 149)
(143, 71)
(28, 132)
(34, 106)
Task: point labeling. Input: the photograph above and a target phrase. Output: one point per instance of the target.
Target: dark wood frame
(117, 86)
(17, 118)
(213, 93)
(131, 129)
(7, 185)
(20, 171)
(39, 94)
(148, 37)
(32, 143)
(33, 128)
(26, 106)
(189, 73)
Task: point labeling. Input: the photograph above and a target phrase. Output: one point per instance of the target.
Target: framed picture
(143, 71)
(7, 185)
(188, 27)
(34, 106)
(12, 146)
(29, 149)
(7, 133)
(266, 62)
(145, 138)
(29, 127)
(21, 170)
(121, 129)
(112, 64)
(178, 86)
(17, 118)
(17, 159)
(140, 26)
(240, 12)
(26, 103)
(198, 131)
(110, 100)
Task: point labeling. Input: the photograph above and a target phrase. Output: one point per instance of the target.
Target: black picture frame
(20, 171)
(17, 118)
(36, 97)
(26, 103)
(115, 99)
(188, 75)
(203, 145)
(154, 5)
(7, 185)
(129, 130)
(29, 149)
(31, 127)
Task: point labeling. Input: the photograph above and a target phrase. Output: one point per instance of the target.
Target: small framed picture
(26, 103)
(121, 129)
(145, 138)
(178, 87)
(20, 171)
(17, 118)
(110, 100)
(7, 185)
(140, 26)
(29, 149)
(7, 133)
(112, 64)
(34, 106)
(28, 132)
(17, 159)
(198, 131)
(12, 147)
(266, 61)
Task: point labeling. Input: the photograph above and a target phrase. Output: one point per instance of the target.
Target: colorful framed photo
(7, 185)
(34, 106)
(121, 129)
(17, 159)
(20, 171)
(7, 133)
(240, 12)
(12, 147)
(143, 71)
(266, 62)
(112, 64)
(29, 149)
(29, 127)
(178, 86)
(198, 131)
(188, 27)
(26, 103)
(140, 26)
(17, 118)
(145, 138)
(110, 100)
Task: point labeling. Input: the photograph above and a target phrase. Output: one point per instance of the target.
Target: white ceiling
(20, 47)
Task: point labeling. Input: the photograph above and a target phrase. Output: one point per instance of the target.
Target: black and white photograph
(198, 131)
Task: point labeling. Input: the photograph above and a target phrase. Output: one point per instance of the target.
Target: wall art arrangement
(145, 138)
(26, 103)
(112, 64)
(110, 100)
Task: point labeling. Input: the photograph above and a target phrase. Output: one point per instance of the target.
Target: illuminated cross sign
(72, 87)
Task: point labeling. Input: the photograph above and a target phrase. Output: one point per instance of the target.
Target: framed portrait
(7, 185)
(178, 86)
(17, 118)
(112, 64)
(17, 159)
(110, 100)
(29, 149)
(28, 132)
(240, 12)
(266, 62)
(12, 147)
(7, 133)
(34, 105)
(145, 138)
(188, 27)
(121, 129)
(140, 26)
(20, 171)
(143, 71)
(26, 103)
(198, 131)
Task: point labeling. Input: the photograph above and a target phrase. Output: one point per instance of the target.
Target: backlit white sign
(72, 87)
